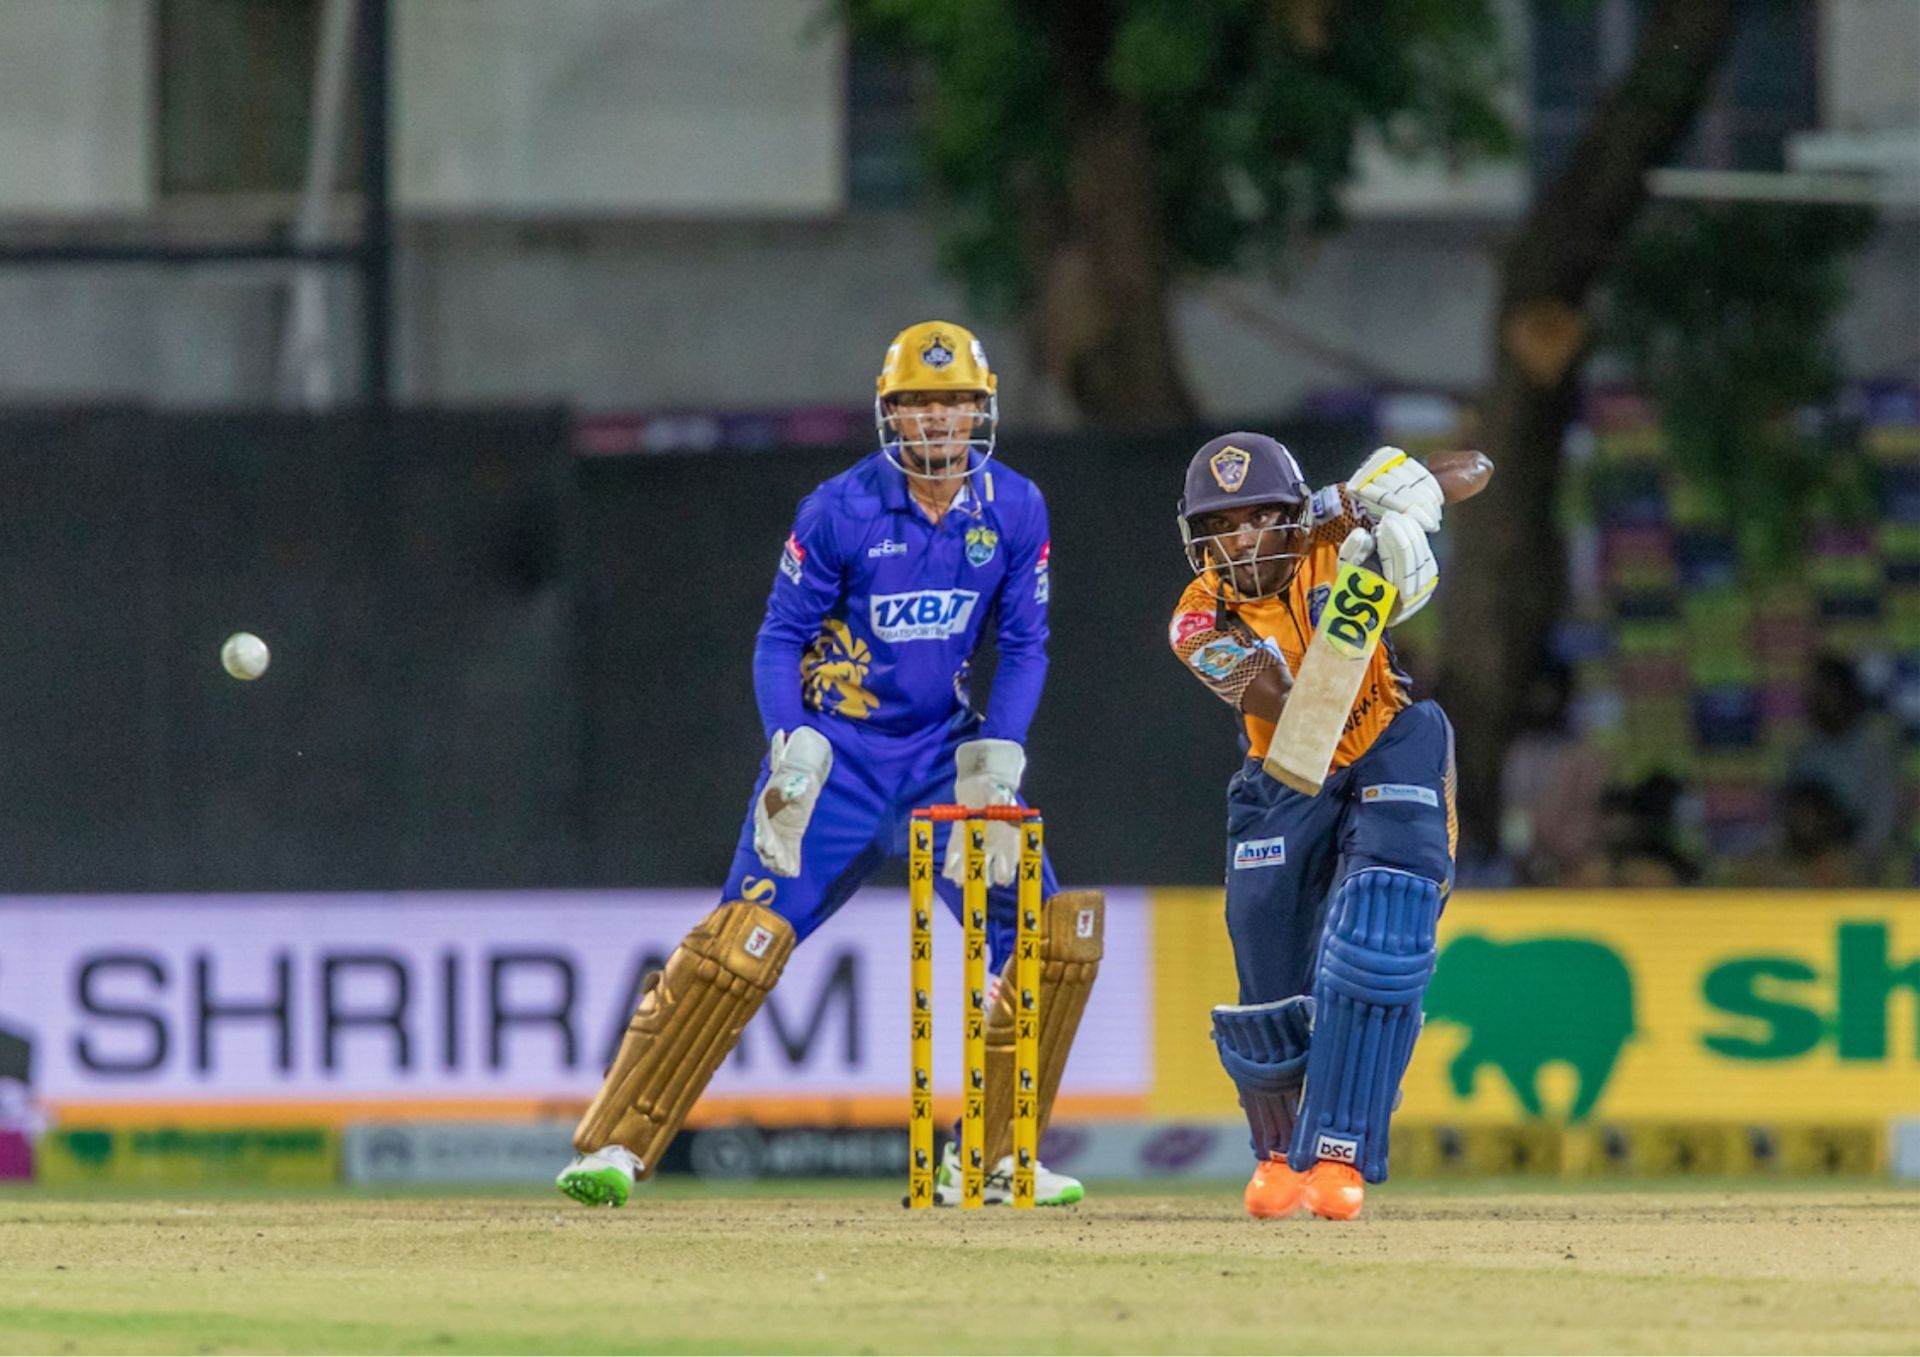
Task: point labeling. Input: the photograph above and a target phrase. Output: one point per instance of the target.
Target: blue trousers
(860, 823)
(1287, 852)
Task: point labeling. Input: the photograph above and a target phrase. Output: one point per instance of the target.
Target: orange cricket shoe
(1332, 1190)
(1274, 1190)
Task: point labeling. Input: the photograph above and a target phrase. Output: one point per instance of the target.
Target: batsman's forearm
(1266, 696)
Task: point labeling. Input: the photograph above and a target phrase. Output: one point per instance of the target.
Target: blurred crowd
(1835, 818)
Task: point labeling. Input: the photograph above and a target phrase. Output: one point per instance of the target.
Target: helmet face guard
(936, 358)
(1213, 561)
(904, 442)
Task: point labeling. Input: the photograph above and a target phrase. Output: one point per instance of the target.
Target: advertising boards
(287, 1009)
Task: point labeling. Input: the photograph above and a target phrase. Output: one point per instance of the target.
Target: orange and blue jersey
(876, 610)
(1219, 638)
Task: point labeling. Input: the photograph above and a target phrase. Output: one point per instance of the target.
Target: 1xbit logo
(924, 615)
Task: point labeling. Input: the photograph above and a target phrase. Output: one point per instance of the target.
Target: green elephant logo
(1530, 1004)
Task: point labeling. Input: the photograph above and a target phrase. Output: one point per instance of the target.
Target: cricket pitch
(841, 1268)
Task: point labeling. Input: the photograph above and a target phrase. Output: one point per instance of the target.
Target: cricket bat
(1316, 713)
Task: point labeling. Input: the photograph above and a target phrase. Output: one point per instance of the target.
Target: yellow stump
(920, 898)
(1026, 1017)
(973, 998)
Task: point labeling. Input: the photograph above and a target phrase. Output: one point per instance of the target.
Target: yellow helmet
(935, 355)
(939, 356)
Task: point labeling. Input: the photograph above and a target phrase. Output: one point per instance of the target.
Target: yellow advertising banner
(1568, 1007)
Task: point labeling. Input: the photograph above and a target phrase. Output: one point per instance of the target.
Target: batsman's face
(1255, 549)
(935, 429)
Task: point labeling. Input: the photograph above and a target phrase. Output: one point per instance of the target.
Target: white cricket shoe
(603, 1178)
(996, 1186)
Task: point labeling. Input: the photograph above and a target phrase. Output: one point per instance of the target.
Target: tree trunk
(1507, 584)
(1102, 329)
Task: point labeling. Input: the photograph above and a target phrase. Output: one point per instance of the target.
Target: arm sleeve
(1024, 597)
(1216, 647)
(805, 589)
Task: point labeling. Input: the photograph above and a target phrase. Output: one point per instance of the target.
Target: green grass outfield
(1698, 1266)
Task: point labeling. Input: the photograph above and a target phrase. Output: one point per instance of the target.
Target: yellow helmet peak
(935, 355)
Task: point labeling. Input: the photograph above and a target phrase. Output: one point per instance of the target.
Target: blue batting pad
(1264, 1047)
(1375, 962)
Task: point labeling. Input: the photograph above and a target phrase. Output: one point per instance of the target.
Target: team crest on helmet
(980, 545)
(938, 354)
(1229, 467)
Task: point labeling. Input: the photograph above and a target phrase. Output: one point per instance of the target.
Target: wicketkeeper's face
(1256, 548)
(935, 430)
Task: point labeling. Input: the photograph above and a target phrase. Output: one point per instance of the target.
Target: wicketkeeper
(885, 588)
(1332, 899)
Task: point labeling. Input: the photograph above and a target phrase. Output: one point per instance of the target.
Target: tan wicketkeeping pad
(1072, 925)
(688, 1020)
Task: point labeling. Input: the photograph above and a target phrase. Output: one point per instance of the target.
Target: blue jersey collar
(898, 499)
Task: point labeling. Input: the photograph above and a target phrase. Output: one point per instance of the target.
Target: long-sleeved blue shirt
(876, 611)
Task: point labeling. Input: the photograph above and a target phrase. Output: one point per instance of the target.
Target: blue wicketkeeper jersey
(876, 611)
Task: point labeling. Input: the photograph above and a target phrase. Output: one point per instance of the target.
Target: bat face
(1309, 729)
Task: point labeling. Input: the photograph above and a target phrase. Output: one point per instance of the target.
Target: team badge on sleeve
(793, 558)
(1217, 659)
(980, 545)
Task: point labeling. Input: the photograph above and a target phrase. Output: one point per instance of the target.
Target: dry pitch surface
(822, 1269)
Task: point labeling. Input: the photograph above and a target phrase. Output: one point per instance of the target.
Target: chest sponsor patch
(1400, 791)
(887, 547)
(1316, 603)
(1250, 853)
(1188, 624)
(1217, 659)
(924, 615)
(793, 558)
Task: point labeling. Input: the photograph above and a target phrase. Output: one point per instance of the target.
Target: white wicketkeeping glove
(987, 773)
(1392, 482)
(798, 766)
(1406, 561)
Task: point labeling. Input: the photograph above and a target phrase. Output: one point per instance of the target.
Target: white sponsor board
(483, 995)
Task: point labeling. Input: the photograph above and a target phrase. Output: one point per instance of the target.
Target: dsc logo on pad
(924, 615)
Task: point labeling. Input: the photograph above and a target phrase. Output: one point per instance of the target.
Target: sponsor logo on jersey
(1340, 1149)
(886, 546)
(1229, 467)
(1188, 624)
(938, 354)
(1400, 791)
(758, 890)
(1259, 853)
(1217, 659)
(981, 543)
(793, 558)
(1316, 602)
(1042, 573)
(924, 615)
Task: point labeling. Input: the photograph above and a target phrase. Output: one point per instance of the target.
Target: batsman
(894, 573)
(1335, 881)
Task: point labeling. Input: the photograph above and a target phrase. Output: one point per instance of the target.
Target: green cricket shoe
(996, 1188)
(603, 1178)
